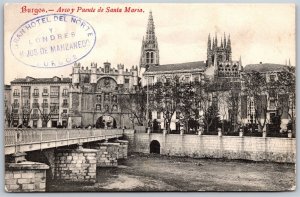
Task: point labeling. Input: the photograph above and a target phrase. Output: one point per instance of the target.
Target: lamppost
(201, 112)
(147, 107)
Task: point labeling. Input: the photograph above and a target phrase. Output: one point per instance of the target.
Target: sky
(259, 33)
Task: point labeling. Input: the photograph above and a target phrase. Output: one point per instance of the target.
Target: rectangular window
(158, 115)
(25, 91)
(272, 104)
(151, 80)
(45, 92)
(187, 79)
(126, 80)
(65, 92)
(65, 103)
(35, 111)
(272, 78)
(36, 92)
(54, 91)
(16, 92)
(98, 107)
(98, 98)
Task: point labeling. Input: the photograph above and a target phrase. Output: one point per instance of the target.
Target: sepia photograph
(156, 97)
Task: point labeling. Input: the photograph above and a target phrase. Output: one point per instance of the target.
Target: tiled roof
(178, 67)
(42, 80)
(265, 67)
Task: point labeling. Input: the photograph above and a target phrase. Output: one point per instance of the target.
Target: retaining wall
(230, 147)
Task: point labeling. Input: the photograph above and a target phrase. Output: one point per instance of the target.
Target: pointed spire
(224, 40)
(289, 62)
(221, 42)
(150, 34)
(286, 62)
(216, 40)
(240, 61)
(229, 43)
(209, 42)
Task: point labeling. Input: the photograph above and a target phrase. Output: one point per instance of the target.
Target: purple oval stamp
(52, 40)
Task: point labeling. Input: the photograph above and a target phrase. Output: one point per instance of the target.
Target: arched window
(151, 57)
(147, 57)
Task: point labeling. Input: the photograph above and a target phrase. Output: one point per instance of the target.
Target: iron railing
(20, 136)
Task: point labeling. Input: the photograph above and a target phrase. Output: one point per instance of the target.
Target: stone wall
(123, 149)
(107, 155)
(129, 136)
(230, 147)
(77, 165)
(25, 177)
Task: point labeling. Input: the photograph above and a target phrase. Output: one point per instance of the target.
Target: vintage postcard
(149, 97)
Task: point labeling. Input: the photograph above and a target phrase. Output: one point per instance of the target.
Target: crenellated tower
(149, 50)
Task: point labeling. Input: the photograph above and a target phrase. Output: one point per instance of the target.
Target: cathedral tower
(217, 53)
(149, 51)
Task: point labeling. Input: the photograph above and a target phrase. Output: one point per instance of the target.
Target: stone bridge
(35, 156)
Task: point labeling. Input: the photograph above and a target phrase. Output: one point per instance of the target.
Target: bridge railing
(30, 136)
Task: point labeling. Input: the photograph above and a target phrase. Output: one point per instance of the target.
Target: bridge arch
(155, 147)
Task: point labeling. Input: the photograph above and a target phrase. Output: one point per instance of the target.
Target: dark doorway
(155, 147)
(54, 123)
(64, 123)
(34, 123)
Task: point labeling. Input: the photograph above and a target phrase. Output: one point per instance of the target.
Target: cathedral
(93, 97)
(219, 64)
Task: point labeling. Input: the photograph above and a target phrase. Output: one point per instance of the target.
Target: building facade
(95, 95)
(40, 102)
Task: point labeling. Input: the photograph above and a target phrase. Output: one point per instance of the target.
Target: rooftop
(265, 67)
(178, 67)
(54, 79)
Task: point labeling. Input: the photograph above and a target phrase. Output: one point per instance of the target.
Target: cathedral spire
(150, 34)
(229, 44)
(216, 40)
(240, 61)
(149, 51)
(224, 40)
(209, 43)
(221, 42)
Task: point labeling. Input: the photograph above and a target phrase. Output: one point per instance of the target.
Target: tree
(189, 106)
(286, 84)
(45, 114)
(255, 84)
(165, 98)
(9, 115)
(25, 114)
(211, 118)
(135, 104)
